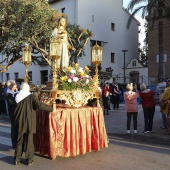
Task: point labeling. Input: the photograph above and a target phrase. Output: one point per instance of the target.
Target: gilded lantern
(96, 54)
(55, 48)
(26, 54)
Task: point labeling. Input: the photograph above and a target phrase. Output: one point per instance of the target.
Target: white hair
(9, 82)
(143, 86)
(25, 86)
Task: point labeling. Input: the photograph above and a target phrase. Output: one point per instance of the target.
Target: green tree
(143, 52)
(154, 10)
(32, 22)
(24, 21)
(78, 38)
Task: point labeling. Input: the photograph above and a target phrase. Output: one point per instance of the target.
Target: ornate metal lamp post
(55, 54)
(96, 59)
(26, 60)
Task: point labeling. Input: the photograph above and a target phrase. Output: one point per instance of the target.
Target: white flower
(87, 81)
(73, 71)
(87, 76)
(69, 80)
(80, 69)
(75, 79)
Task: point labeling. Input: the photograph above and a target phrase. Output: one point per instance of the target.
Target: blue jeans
(164, 121)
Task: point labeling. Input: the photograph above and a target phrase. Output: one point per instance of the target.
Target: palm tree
(153, 10)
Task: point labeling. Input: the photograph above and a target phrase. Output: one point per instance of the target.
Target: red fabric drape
(70, 131)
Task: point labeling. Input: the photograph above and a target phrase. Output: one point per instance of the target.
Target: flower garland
(76, 78)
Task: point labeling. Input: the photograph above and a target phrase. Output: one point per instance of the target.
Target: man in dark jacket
(25, 122)
(10, 98)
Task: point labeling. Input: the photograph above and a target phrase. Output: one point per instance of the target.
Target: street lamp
(26, 60)
(124, 78)
(96, 59)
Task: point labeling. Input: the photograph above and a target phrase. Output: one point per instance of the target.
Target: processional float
(68, 85)
(72, 85)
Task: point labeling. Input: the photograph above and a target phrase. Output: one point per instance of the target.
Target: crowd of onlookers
(111, 94)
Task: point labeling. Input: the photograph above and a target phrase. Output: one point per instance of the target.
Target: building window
(30, 75)
(112, 57)
(113, 26)
(16, 75)
(92, 18)
(7, 76)
(62, 10)
(164, 58)
(133, 63)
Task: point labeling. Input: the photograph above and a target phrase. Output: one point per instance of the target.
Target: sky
(138, 17)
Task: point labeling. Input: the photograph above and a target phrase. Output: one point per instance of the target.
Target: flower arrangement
(76, 77)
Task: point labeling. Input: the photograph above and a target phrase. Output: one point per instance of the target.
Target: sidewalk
(116, 126)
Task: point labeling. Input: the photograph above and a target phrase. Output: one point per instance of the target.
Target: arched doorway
(134, 77)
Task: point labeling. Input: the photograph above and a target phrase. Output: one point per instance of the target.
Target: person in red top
(105, 98)
(148, 104)
(109, 86)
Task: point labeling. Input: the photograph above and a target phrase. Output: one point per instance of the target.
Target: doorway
(44, 76)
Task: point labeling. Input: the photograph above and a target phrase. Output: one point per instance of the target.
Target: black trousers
(2, 107)
(115, 101)
(105, 102)
(134, 115)
(21, 141)
(148, 117)
(13, 133)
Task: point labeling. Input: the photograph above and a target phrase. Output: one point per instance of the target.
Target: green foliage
(30, 21)
(153, 9)
(143, 53)
(143, 57)
(74, 32)
(25, 20)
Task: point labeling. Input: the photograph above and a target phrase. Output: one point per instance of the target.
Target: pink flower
(71, 76)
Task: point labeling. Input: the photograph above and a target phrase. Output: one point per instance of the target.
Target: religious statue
(60, 33)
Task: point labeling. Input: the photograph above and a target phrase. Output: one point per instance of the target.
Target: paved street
(126, 151)
(116, 126)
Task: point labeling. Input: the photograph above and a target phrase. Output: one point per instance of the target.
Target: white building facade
(107, 20)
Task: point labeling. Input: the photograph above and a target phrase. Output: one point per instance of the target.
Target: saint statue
(60, 32)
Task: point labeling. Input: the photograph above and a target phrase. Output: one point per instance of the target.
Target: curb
(141, 138)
